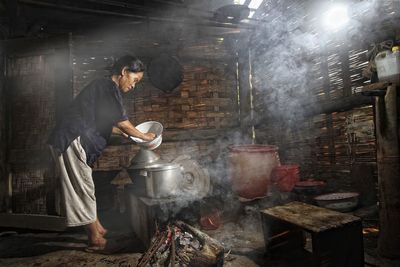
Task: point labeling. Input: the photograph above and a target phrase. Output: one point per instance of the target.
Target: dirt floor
(242, 239)
(29, 248)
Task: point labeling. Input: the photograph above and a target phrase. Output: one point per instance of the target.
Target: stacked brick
(206, 99)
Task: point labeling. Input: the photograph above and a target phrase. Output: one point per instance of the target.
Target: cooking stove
(160, 190)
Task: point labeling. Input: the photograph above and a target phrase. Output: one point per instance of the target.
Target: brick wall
(206, 99)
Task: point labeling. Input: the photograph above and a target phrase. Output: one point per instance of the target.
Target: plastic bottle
(388, 65)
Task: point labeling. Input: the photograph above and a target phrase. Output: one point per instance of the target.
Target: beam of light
(254, 4)
(336, 17)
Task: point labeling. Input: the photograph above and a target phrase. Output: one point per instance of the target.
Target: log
(388, 173)
(212, 253)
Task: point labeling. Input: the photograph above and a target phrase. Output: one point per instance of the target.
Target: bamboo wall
(326, 69)
(30, 81)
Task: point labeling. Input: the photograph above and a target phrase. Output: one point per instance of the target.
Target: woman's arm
(117, 131)
(126, 127)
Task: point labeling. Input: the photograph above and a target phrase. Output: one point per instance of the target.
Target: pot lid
(310, 183)
(196, 179)
(161, 166)
(143, 158)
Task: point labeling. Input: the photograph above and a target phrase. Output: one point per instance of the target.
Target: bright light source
(336, 17)
(254, 4)
(239, 2)
(251, 14)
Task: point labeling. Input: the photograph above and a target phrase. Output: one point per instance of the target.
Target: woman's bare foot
(102, 231)
(96, 240)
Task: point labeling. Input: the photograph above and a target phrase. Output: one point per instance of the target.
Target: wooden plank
(33, 221)
(310, 218)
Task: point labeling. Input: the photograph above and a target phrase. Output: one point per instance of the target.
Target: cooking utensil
(342, 202)
(160, 180)
(196, 179)
(149, 127)
(309, 187)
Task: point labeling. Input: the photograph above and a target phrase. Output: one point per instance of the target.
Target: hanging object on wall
(165, 72)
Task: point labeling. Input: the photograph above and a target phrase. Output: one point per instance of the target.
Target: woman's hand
(148, 136)
(129, 129)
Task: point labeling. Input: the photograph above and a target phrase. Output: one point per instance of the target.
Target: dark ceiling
(35, 17)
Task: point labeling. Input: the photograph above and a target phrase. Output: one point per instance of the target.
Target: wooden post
(3, 140)
(244, 92)
(388, 173)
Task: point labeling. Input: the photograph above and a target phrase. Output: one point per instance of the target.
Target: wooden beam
(3, 139)
(344, 104)
(33, 221)
(388, 159)
(375, 89)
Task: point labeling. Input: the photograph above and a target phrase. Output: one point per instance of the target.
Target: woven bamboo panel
(30, 80)
(326, 145)
(29, 191)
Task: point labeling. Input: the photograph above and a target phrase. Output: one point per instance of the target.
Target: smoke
(288, 46)
(280, 61)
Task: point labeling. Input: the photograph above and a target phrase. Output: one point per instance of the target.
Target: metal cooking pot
(159, 180)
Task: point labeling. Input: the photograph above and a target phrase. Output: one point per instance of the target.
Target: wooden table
(336, 237)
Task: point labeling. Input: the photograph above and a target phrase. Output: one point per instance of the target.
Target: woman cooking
(82, 134)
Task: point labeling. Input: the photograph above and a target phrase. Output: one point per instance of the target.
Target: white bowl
(149, 127)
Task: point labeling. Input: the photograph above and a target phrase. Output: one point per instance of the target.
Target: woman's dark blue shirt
(91, 115)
